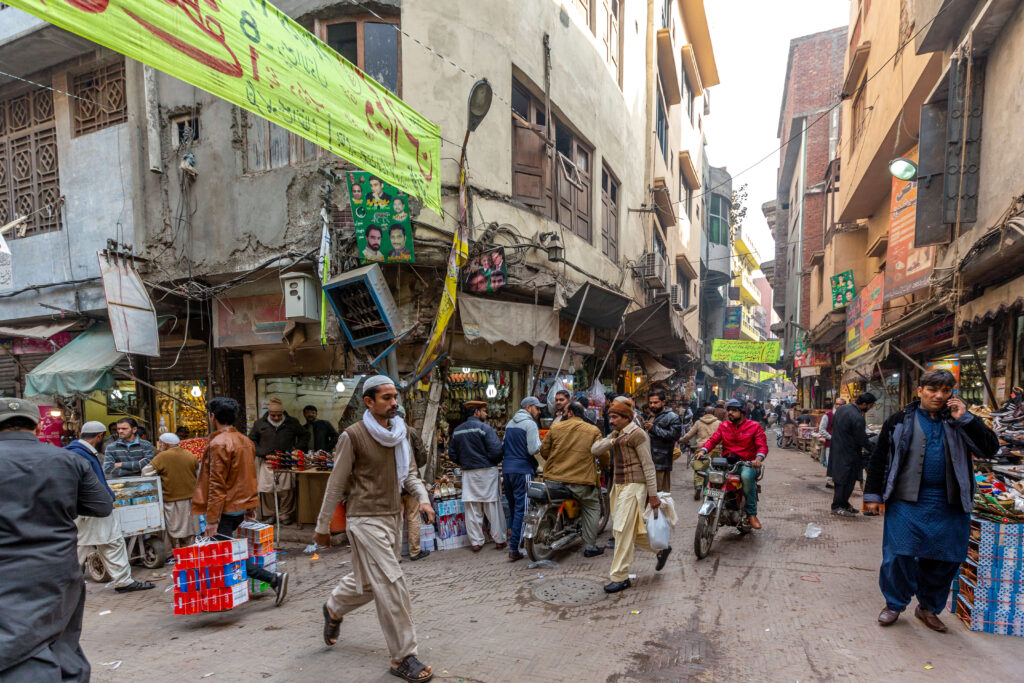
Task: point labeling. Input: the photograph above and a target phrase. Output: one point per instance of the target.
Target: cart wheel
(95, 569)
(154, 552)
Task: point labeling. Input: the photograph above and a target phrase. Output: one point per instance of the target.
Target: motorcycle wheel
(605, 512)
(539, 547)
(703, 537)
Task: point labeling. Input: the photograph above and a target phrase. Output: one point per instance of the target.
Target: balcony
(749, 294)
(749, 330)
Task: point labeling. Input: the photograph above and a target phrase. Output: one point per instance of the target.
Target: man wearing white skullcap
(177, 470)
(372, 464)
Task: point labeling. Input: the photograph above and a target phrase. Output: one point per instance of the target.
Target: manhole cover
(569, 592)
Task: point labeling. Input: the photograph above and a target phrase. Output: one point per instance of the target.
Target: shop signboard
(906, 269)
(51, 425)
(23, 345)
(485, 272)
(863, 318)
(733, 321)
(260, 59)
(842, 289)
(937, 333)
(248, 321)
(744, 351)
(380, 213)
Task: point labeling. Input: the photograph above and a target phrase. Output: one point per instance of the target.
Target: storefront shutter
(929, 227)
(192, 364)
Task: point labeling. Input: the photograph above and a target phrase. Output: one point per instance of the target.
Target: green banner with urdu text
(255, 56)
(744, 351)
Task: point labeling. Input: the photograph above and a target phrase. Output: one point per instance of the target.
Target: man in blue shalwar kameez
(922, 469)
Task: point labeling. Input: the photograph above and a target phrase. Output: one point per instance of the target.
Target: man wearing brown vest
(372, 465)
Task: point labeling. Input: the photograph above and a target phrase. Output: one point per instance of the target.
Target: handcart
(139, 508)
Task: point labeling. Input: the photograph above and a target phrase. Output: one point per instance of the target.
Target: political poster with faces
(381, 216)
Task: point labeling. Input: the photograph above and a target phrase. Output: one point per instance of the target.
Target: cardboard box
(222, 552)
(265, 560)
(259, 548)
(187, 603)
(221, 599)
(187, 557)
(186, 580)
(222, 576)
(256, 532)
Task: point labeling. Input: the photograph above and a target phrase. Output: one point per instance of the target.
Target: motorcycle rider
(568, 460)
(664, 428)
(744, 439)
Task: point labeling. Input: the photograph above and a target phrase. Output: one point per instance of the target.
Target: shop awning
(655, 370)
(601, 307)
(83, 365)
(656, 330)
(41, 332)
(993, 302)
(494, 320)
(860, 368)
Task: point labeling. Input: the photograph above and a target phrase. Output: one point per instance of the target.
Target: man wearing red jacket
(744, 439)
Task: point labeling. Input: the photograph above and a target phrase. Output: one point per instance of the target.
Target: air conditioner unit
(675, 297)
(653, 270)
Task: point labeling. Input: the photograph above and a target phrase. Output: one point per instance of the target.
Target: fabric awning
(493, 321)
(862, 365)
(994, 301)
(601, 307)
(42, 331)
(83, 365)
(655, 370)
(654, 329)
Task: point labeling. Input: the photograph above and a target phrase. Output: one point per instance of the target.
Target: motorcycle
(723, 502)
(554, 520)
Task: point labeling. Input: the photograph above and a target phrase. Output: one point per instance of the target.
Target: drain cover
(569, 592)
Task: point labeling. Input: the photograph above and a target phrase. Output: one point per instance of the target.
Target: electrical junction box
(364, 305)
(301, 297)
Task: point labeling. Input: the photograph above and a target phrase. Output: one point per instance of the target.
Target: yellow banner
(763, 376)
(744, 351)
(255, 56)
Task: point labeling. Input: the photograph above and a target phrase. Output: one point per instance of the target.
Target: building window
(684, 286)
(583, 8)
(819, 276)
(859, 117)
(372, 44)
(270, 146)
(613, 20)
(662, 125)
(687, 96)
(686, 195)
(718, 232)
(666, 14)
(184, 130)
(99, 99)
(609, 215)
(574, 186)
(29, 184)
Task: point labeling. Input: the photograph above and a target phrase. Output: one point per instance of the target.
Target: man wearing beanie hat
(476, 448)
(177, 470)
(276, 431)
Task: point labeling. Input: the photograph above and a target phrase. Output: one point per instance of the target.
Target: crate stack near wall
(989, 592)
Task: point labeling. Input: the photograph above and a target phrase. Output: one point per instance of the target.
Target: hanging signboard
(863, 318)
(744, 351)
(485, 272)
(131, 311)
(733, 321)
(380, 213)
(842, 289)
(763, 376)
(260, 59)
(906, 269)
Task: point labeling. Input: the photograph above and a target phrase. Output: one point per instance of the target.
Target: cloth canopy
(656, 330)
(83, 365)
(42, 332)
(494, 321)
(994, 301)
(597, 307)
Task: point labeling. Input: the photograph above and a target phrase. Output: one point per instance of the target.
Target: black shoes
(616, 586)
(280, 588)
(844, 512)
(662, 558)
(514, 556)
(135, 586)
(593, 551)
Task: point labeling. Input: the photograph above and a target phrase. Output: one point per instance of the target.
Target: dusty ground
(773, 606)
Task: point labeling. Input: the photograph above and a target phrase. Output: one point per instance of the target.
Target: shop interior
(333, 395)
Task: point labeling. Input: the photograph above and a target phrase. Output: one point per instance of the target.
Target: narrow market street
(775, 605)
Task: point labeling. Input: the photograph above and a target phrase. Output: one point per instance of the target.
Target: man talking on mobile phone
(923, 470)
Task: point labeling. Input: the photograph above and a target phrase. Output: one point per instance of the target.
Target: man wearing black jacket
(320, 434)
(476, 448)
(849, 441)
(664, 428)
(923, 470)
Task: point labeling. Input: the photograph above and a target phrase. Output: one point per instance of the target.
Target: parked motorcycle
(554, 520)
(723, 502)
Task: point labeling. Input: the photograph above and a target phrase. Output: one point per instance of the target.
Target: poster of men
(381, 216)
(485, 272)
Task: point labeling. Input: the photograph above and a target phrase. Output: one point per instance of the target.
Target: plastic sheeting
(495, 321)
(83, 365)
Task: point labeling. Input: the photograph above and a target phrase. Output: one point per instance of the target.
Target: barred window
(99, 98)
(28, 163)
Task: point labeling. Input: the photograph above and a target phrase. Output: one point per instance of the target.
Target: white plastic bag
(596, 395)
(659, 529)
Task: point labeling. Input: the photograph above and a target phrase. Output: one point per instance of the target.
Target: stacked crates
(260, 540)
(210, 576)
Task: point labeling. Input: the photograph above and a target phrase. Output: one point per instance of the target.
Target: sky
(751, 43)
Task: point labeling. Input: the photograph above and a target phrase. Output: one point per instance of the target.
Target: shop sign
(744, 351)
(811, 357)
(733, 321)
(249, 321)
(380, 213)
(937, 333)
(260, 59)
(50, 428)
(842, 289)
(22, 345)
(485, 272)
(863, 318)
(810, 371)
(906, 269)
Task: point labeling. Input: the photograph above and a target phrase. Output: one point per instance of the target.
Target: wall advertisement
(380, 213)
(906, 269)
(744, 351)
(863, 318)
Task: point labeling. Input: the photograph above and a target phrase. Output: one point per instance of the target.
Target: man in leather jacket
(664, 428)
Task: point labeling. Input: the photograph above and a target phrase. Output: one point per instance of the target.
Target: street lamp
(479, 103)
(903, 169)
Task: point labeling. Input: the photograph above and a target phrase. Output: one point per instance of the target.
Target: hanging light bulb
(196, 391)
(340, 386)
(116, 393)
(491, 391)
(571, 369)
(466, 370)
(55, 412)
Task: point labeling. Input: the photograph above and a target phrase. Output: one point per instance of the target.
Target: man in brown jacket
(567, 459)
(226, 485)
(373, 463)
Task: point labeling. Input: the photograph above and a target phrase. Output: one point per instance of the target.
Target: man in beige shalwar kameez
(372, 464)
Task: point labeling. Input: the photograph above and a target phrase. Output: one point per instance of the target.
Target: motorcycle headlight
(716, 478)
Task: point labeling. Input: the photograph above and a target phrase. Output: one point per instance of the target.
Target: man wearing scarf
(372, 465)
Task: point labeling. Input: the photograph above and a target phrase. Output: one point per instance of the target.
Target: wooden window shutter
(529, 163)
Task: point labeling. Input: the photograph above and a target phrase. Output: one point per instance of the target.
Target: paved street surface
(771, 606)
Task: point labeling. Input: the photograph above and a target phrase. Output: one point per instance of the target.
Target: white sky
(751, 42)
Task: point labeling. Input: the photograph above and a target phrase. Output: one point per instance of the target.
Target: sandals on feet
(332, 627)
(410, 669)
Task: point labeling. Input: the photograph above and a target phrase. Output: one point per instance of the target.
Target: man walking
(320, 434)
(568, 460)
(373, 464)
(129, 453)
(176, 468)
(520, 448)
(42, 598)
(476, 448)
(103, 532)
(922, 469)
(226, 485)
(276, 431)
(849, 441)
(664, 428)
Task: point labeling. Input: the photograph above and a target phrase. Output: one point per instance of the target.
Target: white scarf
(396, 438)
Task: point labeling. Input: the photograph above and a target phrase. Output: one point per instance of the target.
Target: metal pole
(568, 342)
(981, 371)
(608, 355)
(540, 367)
(900, 351)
